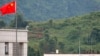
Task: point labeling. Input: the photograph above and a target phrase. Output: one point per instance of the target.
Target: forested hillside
(65, 35)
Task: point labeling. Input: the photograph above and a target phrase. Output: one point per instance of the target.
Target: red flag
(8, 8)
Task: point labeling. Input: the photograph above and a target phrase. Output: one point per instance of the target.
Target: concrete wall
(10, 49)
(2, 47)
(25, 49)
(71, 54)
(9, 35)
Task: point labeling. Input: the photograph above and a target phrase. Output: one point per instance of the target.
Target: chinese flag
(8, 8)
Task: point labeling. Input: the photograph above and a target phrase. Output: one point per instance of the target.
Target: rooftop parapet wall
(71, 54)
(9, 35)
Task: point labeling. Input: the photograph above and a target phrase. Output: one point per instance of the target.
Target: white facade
(8, 42)
(71, 54)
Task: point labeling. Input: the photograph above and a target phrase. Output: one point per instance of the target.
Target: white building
(71, 54)
(57, 54)
(8, 42)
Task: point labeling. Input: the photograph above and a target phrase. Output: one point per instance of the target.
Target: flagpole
(16, 36)
(16, 30)
(12, 9)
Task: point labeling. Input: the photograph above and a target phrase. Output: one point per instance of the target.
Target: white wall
(71, 55)
(25, 48)
(9, 35)
(10, 49)
(2, 49)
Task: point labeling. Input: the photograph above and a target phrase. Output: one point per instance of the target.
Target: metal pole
(16, 36)
(16, 30)
(91, 47)
(79, 47)
(79, 42)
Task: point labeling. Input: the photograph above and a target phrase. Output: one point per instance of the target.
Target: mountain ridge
(38, 10)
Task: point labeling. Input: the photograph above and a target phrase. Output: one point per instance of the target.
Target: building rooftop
(14, 30)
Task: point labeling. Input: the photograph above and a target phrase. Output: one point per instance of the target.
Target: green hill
(66, 34)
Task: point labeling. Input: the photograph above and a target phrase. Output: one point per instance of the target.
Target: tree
(31, 51)
(52, 46)
(2, 24)
(50, 23)
(38, 53)
(73, 35)
(21, 23)
(93, 38)
(46, 35)
(61, 46)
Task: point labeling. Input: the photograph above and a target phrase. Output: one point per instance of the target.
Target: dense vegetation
(66, 35)
(63, 34)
